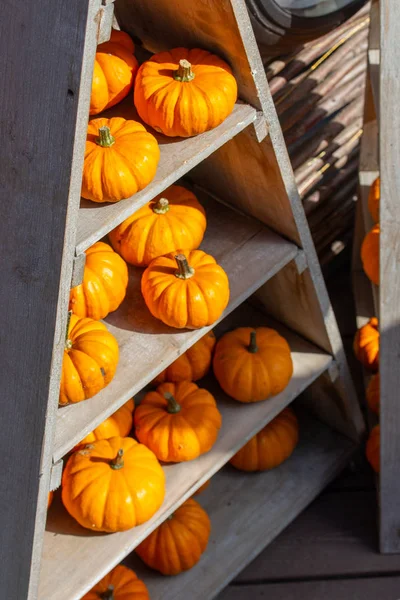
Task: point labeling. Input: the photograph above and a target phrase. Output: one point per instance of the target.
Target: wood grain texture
(248, 252)
(87, 557)
(374, 52)
(248, 511)
(43, 61)
(389, 153)
(178, 156)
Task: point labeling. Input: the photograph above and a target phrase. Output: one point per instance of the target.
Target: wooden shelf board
(248, 511)
(249, 252)
(86, 557)
(178, 156)
(374, 52)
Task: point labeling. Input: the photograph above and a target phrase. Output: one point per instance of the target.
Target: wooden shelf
(248, 511)
(178, 156)
(249, 252)
(86, 557)
(374, 57)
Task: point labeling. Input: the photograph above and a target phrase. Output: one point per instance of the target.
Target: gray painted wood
(389, 152)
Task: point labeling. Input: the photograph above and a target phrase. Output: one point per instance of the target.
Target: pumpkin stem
(161, 206)
(184, 71)
(185, 270)
(68, 342)
(105, 139)
(252, 347)
(108, 594)
(173, 406)
(118, 462)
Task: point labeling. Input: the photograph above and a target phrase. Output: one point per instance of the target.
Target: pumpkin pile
(370, 245)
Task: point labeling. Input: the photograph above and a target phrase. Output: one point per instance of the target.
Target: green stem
(252, 347)
(184, 71)
(68, 342)
(173, 406)
(161, 207)
(105, 139)
(118, 462)
(108, 594)
(185, 270)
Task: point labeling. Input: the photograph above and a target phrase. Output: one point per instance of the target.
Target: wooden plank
(248, 252)
(178, 156)
(386, 588)
(87, 556)
(389, 152)
(248, 511)
(44, 61)
(374, 51)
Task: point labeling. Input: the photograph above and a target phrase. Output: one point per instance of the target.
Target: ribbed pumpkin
(372, 448)
(174, 219)
(370, 254)
(271, 446)
(185, 290)
(193, 364)
(366, 345)
(374, 199)
(178, 543)
(184, 92)
(178, 421)
(114, 71)
(120, 584)
(113, 485)
(252, 364)
(90, 360)
(50, 499)
(373, 393)
(121, 158)
(104, 284)
(202, 488)
(118, 424)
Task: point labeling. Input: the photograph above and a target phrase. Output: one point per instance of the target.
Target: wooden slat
(374, 51)
(178, 156)
(247, 511)
(87, 557)
(248, 252)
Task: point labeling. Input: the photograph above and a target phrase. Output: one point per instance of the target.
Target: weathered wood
(100, 552)
(374, 52)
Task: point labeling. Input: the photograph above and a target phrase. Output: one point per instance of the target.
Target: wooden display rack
(256, 230)
(380, 155)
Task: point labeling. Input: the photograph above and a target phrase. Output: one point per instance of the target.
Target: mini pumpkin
(174, 219)
(373, 393)
(372, 448)
(271, 446)
(374, 199)
(50, 499)
(178, 421)
(178, 543)
(252, 364)
(184, 92)
(113, 485)
(193, 364)
(120, 584)
(121, 158)
(370, 254)
(118, 424)
(104, 284)
(366, 345)
(114, 71)
(90, 360)
(185, 290)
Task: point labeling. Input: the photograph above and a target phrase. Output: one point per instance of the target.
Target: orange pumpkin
(202, 488)
(374, 199)
(185, 290)
(114, 71)
(118, 424)
(121, 158)
(370, 254)
(120, 584)
(193, 364)
(184, 92)
(271, 446)
(373, 393)
(178, 543)
(90, 360)
(178, 421)
(113, 485)
(366, 345)
(104, 284)
(372, 448)
(174, 219)
(252, 364)
(50, 499)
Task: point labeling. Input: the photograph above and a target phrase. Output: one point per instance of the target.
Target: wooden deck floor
(330, 552)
